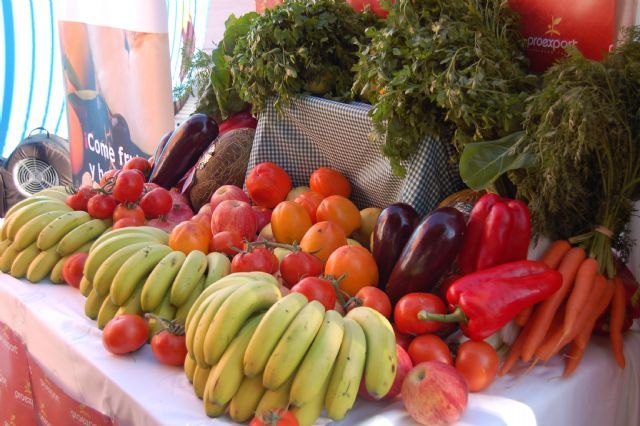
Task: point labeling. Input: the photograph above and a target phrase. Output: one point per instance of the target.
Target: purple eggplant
(393, 229)
(183, 149)
(429, 253)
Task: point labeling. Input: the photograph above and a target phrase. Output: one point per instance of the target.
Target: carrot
(555, 253)
(582, 288)
(617, 321)
(573, 358)
(547, 309)
(523, 317)
(514, 353)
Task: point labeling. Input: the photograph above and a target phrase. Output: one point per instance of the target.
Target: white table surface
(137, 390)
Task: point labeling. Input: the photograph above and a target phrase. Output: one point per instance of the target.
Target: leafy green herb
(453, 69)
(301, 46)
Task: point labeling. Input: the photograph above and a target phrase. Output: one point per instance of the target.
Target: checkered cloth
(314, 132)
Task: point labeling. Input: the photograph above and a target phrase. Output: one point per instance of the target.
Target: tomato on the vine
(227, 242)
(129, 211)
(257, 259)
(406, 312)
(316, 288)
(156, 203)
(125, 333)
(138, 163)
(101, 206)
(79, 200)
(298, 265)
(126, 223)
(169, 348)
(478, 363)
(429, 347)
(372, 297)
(129, 186)
(109, 176)
(73, 267)
(275, 417)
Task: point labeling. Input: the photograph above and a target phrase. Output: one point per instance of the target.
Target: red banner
(550, 26)
(16, 398)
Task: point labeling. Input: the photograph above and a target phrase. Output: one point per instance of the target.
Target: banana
(26, 213)
(200, 379)
(189, 368)
(93, 304)
(132, 304)
(23, 203)
(151, 233)
(165, 309)
(318, 362)
(22, 261)
(183, 310)
(85, 286)
(98, 253)
(347, 371)
(81, 235)
(4, 245)
(218, 266)
(106, 313)
(7, 258)
(308, 413)
(159, 280)
(193, 267)
(55, 276)
(139, 265)
(59, 227)
(227, 375)
(381, 361)
(234, 312)
(42, 265)
(57, 192)
(28, 233)
(274, 399)
(214, 410)
(244, 403)
(105, 274)
(269, 332)
(293, 345)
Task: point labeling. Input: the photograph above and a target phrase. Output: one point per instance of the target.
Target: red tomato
(409, 306)
(79, 200)
(227, 242)
(258, 259)
(268, 184)
(129, 186)
(138, 163)
(403, 340)
(156, 203)
(124, 334)
(275, 417)
(297, 265)
(133, 212)
(478, 363)
(372, 297)
(101, 206)
(169, 348)
(429, 347)
(316, 288)
(126, 222)
(73, 267)
(109, 176)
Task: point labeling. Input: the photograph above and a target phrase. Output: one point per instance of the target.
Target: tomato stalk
(172, 326)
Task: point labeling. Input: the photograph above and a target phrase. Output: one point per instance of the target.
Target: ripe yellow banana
(104, 275)
(152, 234)
(7, 258)
(318, 361)
(190, 368)
(381, 361)
(42, 265)
(23, 203)
(274, 399)
(244, 403)
(218, 266)
(290, 350)
(308, 413)
(4, 244)
(227, 375)
(214, 410)
(81, 235)
(234, 312)
(22, 261)
(85, 286)
(183, 310)
(269, 332)
(107, 311)
(56, 273)
(138, 266)
(58, 192)
(200, 378)
(347, 371)
(193, 268)
(28, 212)
(93, 304)
(59, 227)
(165, 309)
(159, 280)
(28, 234)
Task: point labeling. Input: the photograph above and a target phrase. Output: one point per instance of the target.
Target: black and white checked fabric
(314, 132)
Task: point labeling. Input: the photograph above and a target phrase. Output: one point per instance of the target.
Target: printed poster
(16, 396)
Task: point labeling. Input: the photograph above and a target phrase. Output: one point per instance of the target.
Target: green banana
(269, 332)
(23, 259)
(308, 413)
(227, 375)
(85, 286)
(347, 371)
(26, 213)
(23, 203)
(139, 265)
(93, 304)
(274, 399)
(381, 361)
(183, 310)
(189, 368)
(42, 265)
(152, 234)
(318, 362)
(59, 227)
(107, 311)
(218, 266)
(193, 267)
(165, 309)
(244, 403)
(200, 379)
(28, 234)
(234, 312)
(81, 235)
(58, 192)
(103, 278)
(98, 253)
(159, 280)
(290, 350)
(132, 304)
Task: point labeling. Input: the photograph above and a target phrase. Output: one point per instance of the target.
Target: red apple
(404, 366)
(236, 216)
(435, 393)
(263, 216)
(206, 209)
(227, 192)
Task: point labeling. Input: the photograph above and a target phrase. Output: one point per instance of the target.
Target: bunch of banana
(41, 230)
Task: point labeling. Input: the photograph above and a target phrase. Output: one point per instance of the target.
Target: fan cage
(31, 175)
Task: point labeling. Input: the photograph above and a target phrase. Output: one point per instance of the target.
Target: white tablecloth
(137, 390)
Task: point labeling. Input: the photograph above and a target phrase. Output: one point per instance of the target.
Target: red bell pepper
(498, 231)
(483, 305)
(241, 120)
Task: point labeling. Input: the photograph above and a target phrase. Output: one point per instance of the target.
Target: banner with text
(16, 397)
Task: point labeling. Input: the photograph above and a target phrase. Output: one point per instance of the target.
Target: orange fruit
(341, 211)
(289, 222)
(329, 182)
(322, 239)
(356, 264)
(188, 236)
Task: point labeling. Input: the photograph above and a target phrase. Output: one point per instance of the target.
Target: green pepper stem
(457, 315)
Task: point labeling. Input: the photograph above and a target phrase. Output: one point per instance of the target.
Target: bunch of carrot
(565, 321)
